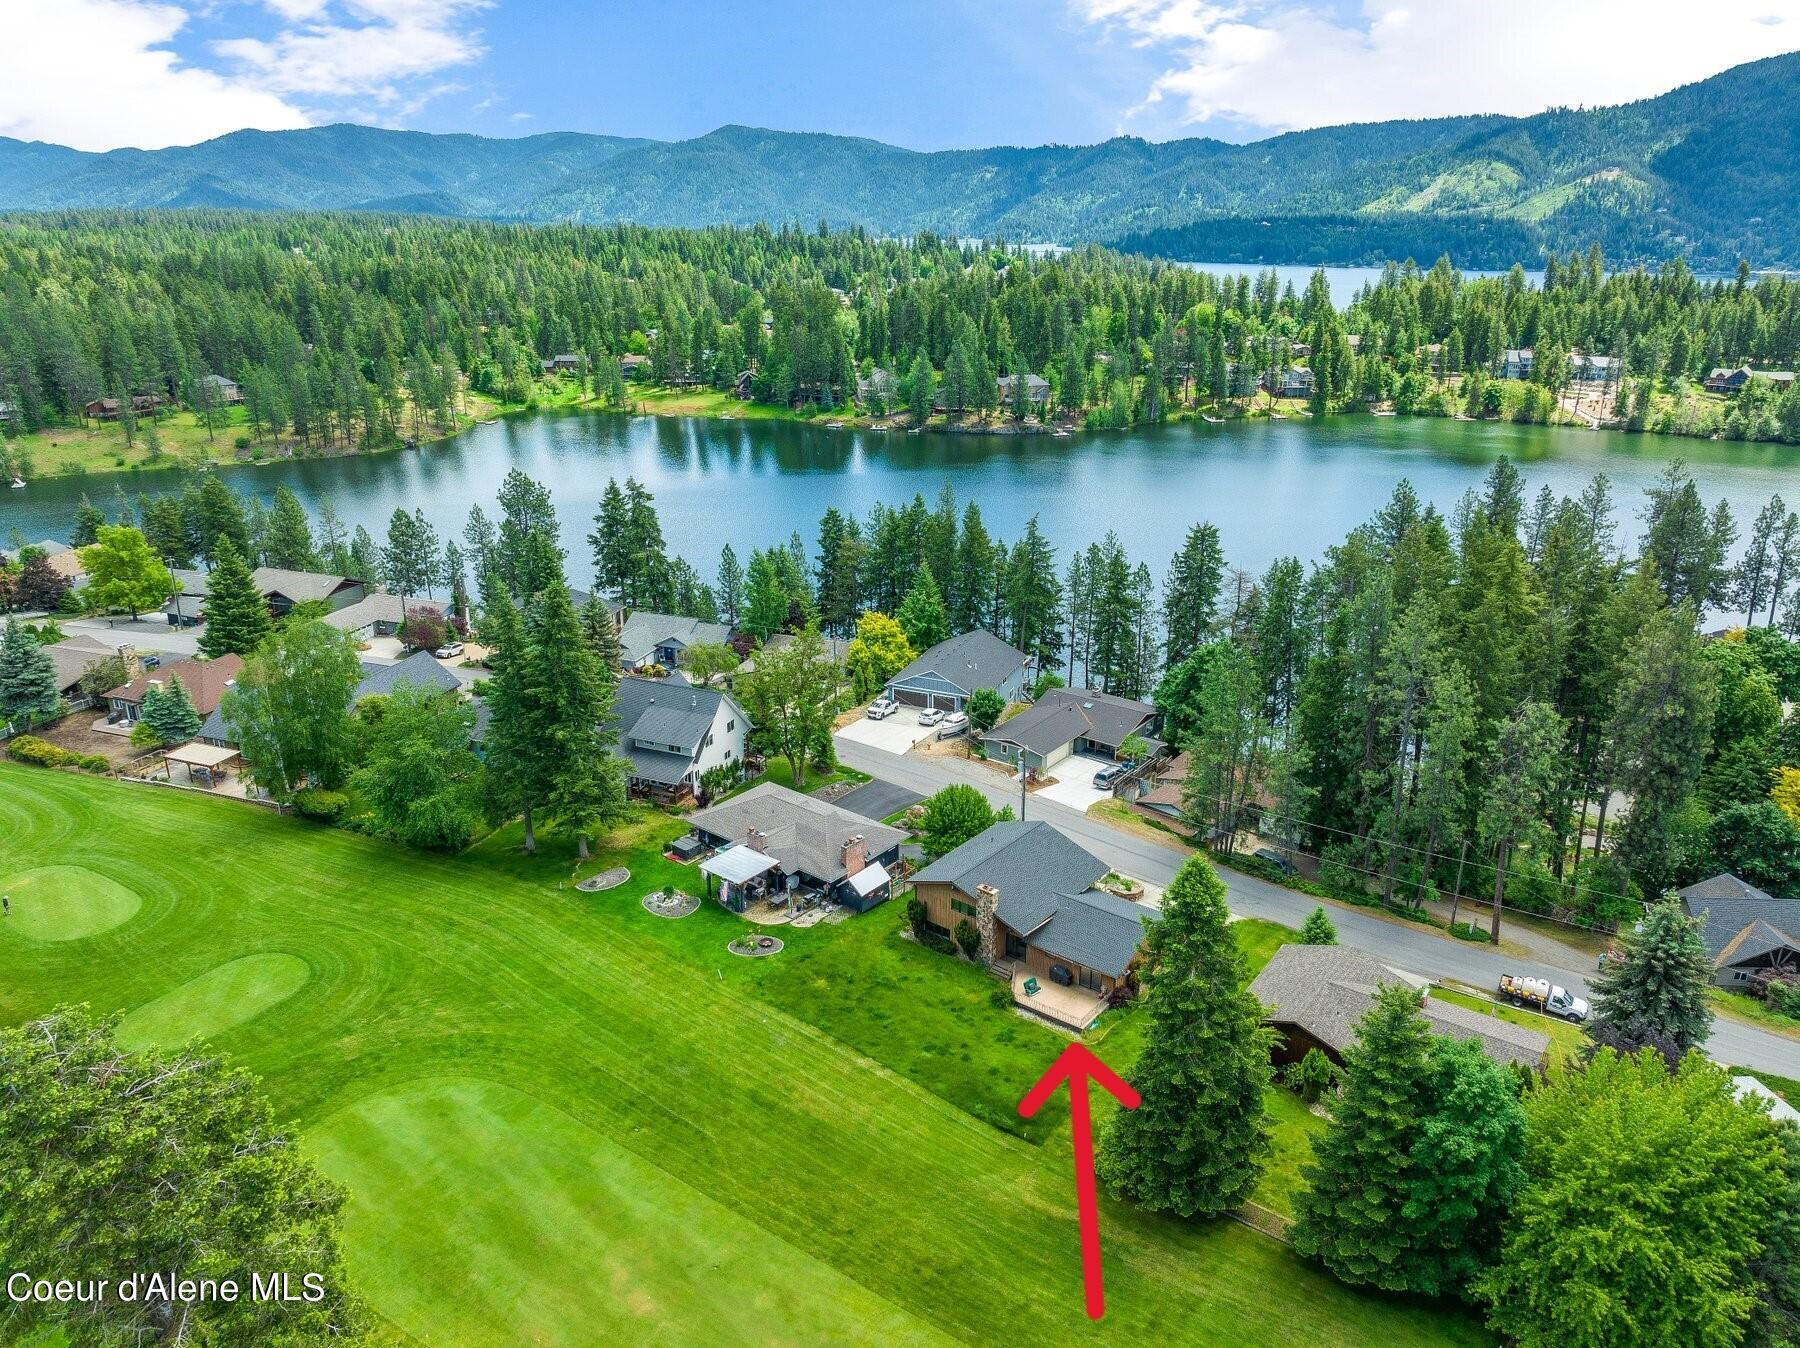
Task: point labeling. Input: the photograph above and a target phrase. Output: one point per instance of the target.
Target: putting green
(217, 1000)
(481, 1215)
(65, 903)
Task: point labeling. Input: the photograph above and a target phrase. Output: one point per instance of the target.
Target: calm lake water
(1273, 488)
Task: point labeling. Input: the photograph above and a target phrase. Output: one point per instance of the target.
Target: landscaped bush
(1311, 1077)
(43, 754)
(317, 803)
(915, 916)
(968, 938)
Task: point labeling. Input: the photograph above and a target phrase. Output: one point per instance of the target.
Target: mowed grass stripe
(466, 970)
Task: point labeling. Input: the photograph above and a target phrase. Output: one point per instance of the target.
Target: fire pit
(755, 947)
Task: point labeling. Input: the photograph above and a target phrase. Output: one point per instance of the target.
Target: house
(9, 412)
(774, 842)
(951, 670)
(64, 560)
(1035, 898)
(1589, 369)
(1745, 930)
(673, 733)
(142, 404)
(1037, 389)
(219, 390)
(378, 680)
(376, 614)
(205, 681)
(184, 607)
(1517, 362)
(880, 384)
(1722, 380)
(1067, 721)
(1294, 382)
(837, 649)
(631, 366)
(73, 656)
(660, 638)
(1317, 994)
(1156, 793)
(563, 364)
(286, 589)
(741, 386)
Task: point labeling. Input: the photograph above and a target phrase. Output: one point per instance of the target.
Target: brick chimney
(855, 854)
(987, 900)
(755, 838)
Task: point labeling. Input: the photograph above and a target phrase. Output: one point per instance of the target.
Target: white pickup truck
(1544, 995)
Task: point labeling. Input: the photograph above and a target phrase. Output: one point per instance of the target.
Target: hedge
(42, 753)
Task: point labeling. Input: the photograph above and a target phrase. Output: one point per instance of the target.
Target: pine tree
(922, 615)
(237, 616)
(1351, 1214)
(570, 705)
(1195, 1145)
(515, 777)
(1317, 929)
(290, 542)
(169, 713)
(730, 589)
(1658, 990)
(1191, 593)
(601, 635)
(28, 691)
(88, 520)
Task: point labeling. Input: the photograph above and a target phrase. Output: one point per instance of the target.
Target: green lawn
(1755, 1011)
(564, 1120)
(1566, 1039)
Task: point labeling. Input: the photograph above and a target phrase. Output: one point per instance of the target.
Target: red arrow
(1076, 1065)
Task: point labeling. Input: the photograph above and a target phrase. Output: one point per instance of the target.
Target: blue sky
(928, 74)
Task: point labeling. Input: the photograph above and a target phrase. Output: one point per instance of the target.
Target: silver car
(931, 716)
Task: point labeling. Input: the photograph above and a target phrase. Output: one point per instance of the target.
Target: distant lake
(1346, 281)
(1273, 488)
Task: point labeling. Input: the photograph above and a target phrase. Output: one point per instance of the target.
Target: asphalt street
(1406, 945)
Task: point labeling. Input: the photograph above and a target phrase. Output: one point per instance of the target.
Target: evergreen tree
(730, 589)
(1351, 1216)
(1318, 929)
(237, 615)
(88, 520)
(570, 705)
(28, 692)
(289, 543)
(602, 636)
(1196, 1144)
(922, 616)
(169, 713)
(1191, 593)
(1658, 989)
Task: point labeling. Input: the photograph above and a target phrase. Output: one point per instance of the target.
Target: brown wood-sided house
(204, 680)
(142, 404)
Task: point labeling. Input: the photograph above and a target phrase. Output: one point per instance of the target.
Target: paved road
(1418, 949)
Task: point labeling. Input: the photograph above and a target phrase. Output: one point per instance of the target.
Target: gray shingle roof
(1047, 895)
(421, 668)
(1727, 905)
(299, 586)
(977, 659)
(654, 765)
(666, 712)
(1327, 989)
(803, 833)
(1064, 715)
(644, 632)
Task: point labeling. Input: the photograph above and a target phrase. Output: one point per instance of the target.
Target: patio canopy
(738, 865)
(869, 879)
(198, 755)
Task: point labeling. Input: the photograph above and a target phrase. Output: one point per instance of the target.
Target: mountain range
(1708, 171)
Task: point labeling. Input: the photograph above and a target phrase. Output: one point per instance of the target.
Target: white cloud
(1285, 64)
(359, 48)
(96, 74)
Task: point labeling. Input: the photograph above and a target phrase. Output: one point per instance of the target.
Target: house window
(942, 933)
(1015, 947)
(730, 726)
(966, 909)
(1088, 979)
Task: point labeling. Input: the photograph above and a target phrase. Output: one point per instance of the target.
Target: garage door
(910, 697)
(946, 701)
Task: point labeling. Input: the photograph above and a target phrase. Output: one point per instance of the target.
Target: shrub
(1311, 1077)
(43, 754)
(1790, 1002)
(317, 803)
(915, 916)
(968, 938)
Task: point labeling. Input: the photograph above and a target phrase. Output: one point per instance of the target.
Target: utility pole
(1456, 894)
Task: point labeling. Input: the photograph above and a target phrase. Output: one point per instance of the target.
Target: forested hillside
(348, 331)
(1706, 171)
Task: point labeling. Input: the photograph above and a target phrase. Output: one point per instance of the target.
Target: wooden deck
(1072, 1008)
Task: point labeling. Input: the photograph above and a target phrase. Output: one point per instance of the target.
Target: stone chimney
(755, 838)
(855, 854)
(987, 899)
(133, 665)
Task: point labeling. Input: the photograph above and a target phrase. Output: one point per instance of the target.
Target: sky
(926, 74)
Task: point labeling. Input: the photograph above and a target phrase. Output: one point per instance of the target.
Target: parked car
(880, 707)
(1109, 774)
(1275, 859)
(931, 716)
(956, 723)
(449, 650)
(153, 662)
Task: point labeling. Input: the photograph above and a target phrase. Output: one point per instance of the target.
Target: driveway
(1074, 784)
(149, 635)
(877, 800)
(893, 734)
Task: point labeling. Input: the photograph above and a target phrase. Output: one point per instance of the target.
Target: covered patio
(204, 764)
(742, 873)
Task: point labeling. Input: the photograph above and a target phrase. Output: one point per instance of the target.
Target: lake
(1273, 488)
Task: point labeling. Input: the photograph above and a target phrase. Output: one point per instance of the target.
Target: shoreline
(711, 405)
